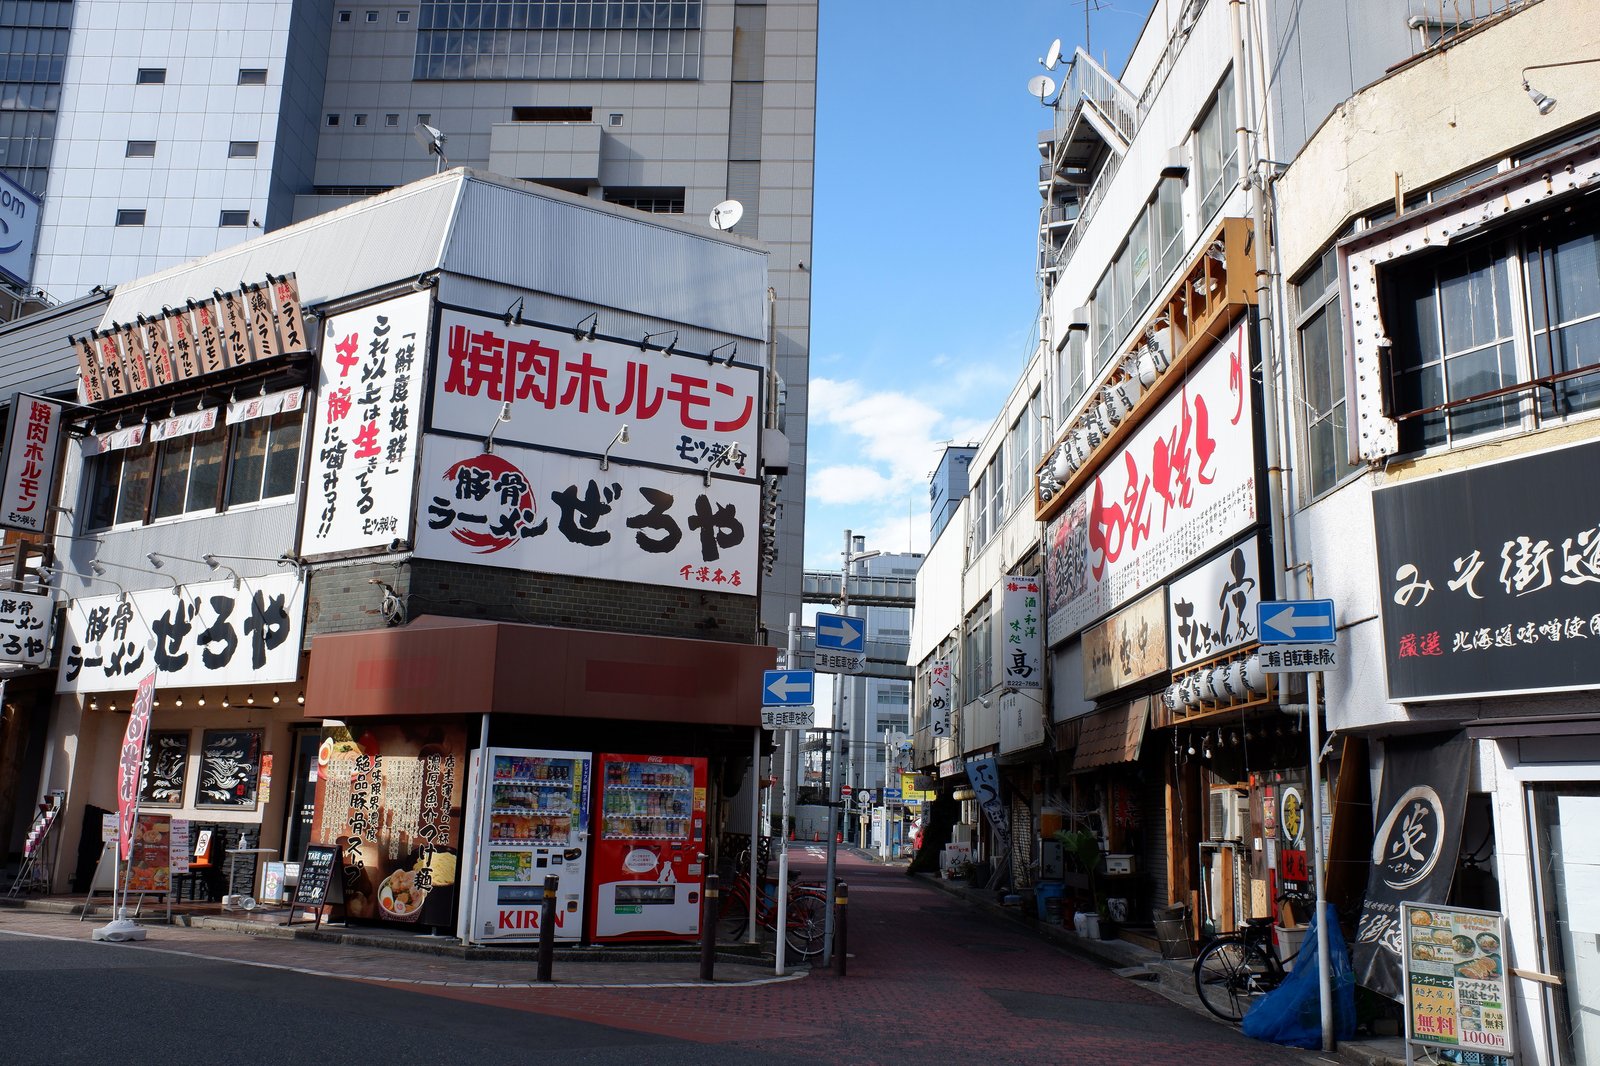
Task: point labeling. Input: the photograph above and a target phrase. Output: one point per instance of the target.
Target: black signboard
(1420, 807)
(1491, 577)
(316, 875)
(230, 765)
(166, 769)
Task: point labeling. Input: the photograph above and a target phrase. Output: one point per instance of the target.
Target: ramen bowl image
(399, 897)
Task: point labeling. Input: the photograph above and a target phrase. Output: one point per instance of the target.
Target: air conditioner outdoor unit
(1229, 814)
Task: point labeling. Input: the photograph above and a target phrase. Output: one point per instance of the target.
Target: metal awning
(1112, 736)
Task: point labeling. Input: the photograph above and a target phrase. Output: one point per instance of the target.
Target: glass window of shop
(1564, 816)
(977, 656)
(1216, 152)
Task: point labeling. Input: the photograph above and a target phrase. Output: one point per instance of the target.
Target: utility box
(1051, 864)
(1118, 865)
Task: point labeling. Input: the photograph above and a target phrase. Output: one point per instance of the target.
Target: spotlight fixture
(503, 417)
(620, 438)
(712, 356)
(593, 318)
(1544, 103)
(275, 699)
(301, 699)
(514, 312)
(250, 700)
(671, 345)
(225, 703)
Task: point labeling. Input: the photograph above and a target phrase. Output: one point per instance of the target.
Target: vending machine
(650, 839)
(535, 823)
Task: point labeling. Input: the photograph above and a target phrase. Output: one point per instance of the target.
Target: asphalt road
(931, 981)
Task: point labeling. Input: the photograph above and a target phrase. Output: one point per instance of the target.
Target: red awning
(466, 666)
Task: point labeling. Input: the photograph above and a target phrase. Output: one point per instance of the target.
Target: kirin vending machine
(650, 837)
(535, 823)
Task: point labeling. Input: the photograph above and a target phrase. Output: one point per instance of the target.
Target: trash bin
(1172, 930)
(1043, 894)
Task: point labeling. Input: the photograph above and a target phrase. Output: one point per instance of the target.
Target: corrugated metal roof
(34, 354)
(465, 221)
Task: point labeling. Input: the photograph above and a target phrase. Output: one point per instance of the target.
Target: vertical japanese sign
(196, 635)
(25, 627)
(33, 441)
(1022, 602)
(562, 514)
(364, 437)
(1457, 995)
(984, 774)
(1182, 485)
(1414, 849)
(939, 697)
(131, 763)
(1490, 578)
(390, 801)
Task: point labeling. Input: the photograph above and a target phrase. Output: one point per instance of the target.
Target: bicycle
(804, 918)
(1234, 968)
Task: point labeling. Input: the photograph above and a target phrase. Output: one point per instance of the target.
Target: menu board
(180, 841)
(391, 800)
(1456, 992)
(315, 872)
(149, 868)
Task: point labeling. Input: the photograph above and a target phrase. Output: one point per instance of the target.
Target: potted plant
(1082, 848)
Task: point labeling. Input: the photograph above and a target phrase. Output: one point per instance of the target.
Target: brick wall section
(341, 599)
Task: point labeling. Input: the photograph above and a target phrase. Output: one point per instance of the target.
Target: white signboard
(575, 395)
(1182, 485)
(839, 662)
(185, 425)
(1213, 609)
(562, 514)
(1022, 633)
(115, 440)
(1021, 721)
(265, 406)
(33, 441)
(1298, 658)
(196, 636)
(939, 697)
(19, 229)
(788, 717)
(364, 438)
(25, 627)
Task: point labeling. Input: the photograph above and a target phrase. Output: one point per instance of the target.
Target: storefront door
(303, 800)
(1564, 819)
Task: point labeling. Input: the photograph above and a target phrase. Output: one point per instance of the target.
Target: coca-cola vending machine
(647, 864)
(535, 824)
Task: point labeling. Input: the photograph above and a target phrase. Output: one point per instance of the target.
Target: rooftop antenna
(727, 214)
(432, 142)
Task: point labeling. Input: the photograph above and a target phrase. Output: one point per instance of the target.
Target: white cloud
(846, 484)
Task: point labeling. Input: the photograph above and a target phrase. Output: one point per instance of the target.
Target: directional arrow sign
(788, 688)
(840, 632)
(1297, 622)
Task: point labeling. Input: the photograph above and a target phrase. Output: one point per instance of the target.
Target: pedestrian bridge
(822, 586)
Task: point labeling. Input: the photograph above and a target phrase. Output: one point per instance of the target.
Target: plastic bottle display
(534, 800)
(647, 801)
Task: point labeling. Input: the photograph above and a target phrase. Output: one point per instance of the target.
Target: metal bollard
(841, 926)
(547, 928)
(708, 928)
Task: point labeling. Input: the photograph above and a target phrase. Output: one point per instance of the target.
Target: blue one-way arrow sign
(1297, 622)
(788, 688)
(840, 632)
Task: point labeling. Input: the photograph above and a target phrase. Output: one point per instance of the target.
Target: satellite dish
(727, 214)
(1042, 86)
(1052, 57)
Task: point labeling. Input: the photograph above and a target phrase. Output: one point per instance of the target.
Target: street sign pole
(1324, 975)
(783, 818)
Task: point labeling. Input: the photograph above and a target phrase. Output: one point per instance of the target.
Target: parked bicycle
(1235, 968)
(804, 918)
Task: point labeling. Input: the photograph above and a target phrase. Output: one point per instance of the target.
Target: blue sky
(926, 210)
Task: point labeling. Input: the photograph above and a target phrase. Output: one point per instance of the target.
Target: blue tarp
(1291, 1014)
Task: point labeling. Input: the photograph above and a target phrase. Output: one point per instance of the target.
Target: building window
(391, 119)
(243, 149)
(1020, 443)
(980, 513)
(234, 218)
(402, 16)
(1320, 331)
(151, 76)
(654, 201)
(344, 16)
(265, 458)
(372, 16)
(130, 216)
(140, 150)
(1562, 265)
(616, 119)
(978, 656)
(119, 486)
(361, 120)
(480, 39)
(1216, 152)
(189, 473)
(333, 120)
(552, 114)
(252, 76)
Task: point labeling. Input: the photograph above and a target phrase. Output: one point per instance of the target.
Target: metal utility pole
(783, 829)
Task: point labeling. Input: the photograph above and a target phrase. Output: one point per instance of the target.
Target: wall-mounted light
(211, 561)
(672, 345)
(620, 438)
(593, 318)
(501, 419)
(514, 312)
(1542, 101)
(711, 357)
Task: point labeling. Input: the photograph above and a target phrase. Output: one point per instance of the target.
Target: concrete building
(872, 706)
(158, 132)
